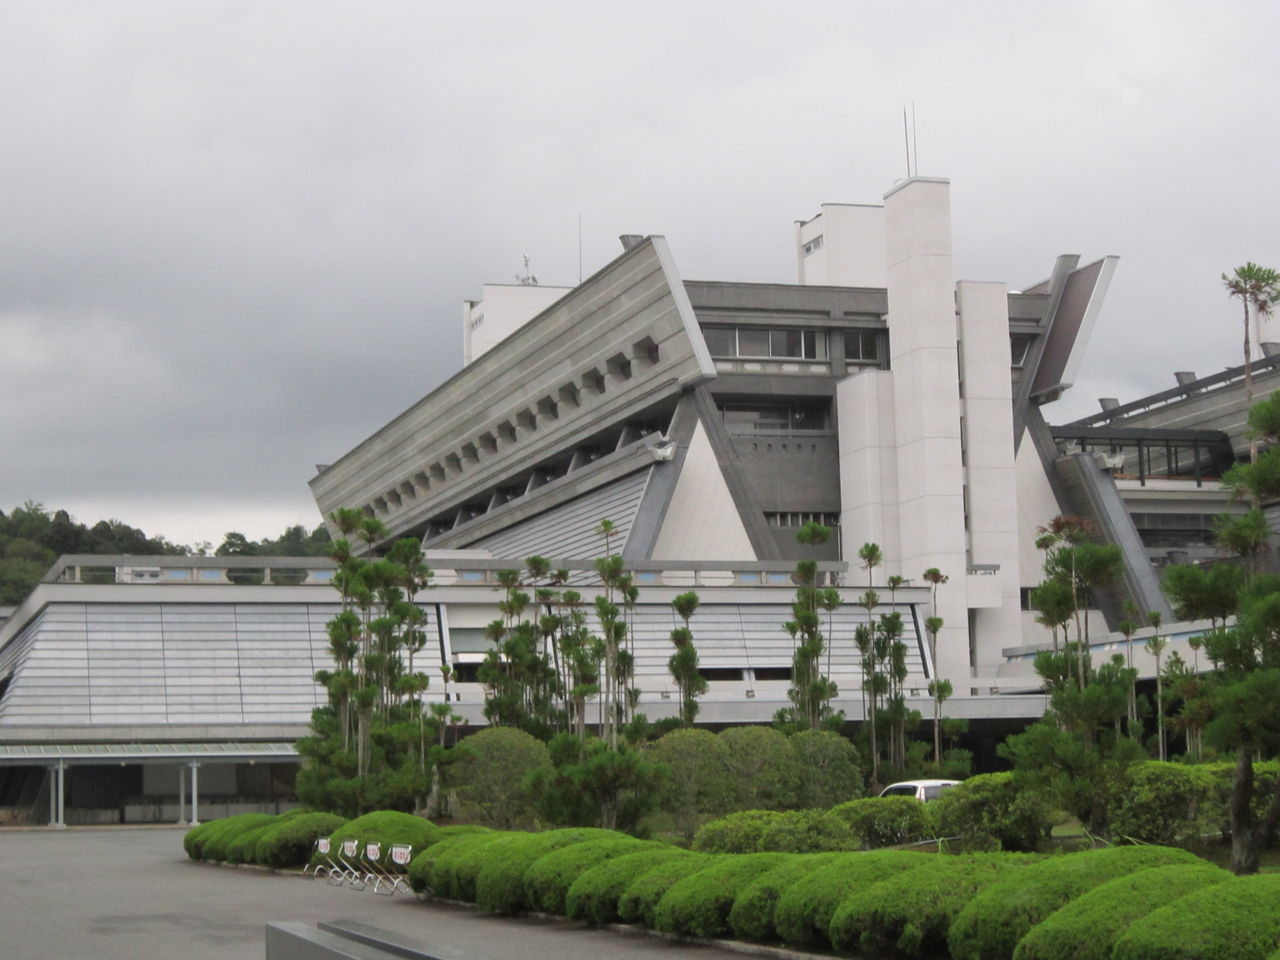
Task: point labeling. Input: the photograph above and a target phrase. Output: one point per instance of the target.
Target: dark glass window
(862, 346)
(721, 341)
(753, 342)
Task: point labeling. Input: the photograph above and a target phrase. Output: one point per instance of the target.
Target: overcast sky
(235, 237)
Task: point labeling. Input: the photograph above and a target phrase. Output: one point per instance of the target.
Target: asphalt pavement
(132, 894)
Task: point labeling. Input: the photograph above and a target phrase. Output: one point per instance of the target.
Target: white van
(922, 790)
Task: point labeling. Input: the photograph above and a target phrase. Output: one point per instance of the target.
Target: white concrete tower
(926, 403)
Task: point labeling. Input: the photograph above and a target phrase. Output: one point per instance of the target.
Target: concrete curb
(624, 929)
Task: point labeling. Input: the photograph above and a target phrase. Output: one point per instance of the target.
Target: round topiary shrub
(910, 913)
(500, 886)
(487, 777)
(547, 881)
(292, 842)
(241, 848)
(807, 831)
(447, 869)
(752, 915)
(639, 900)
(385, 827)
(218, 837)
(886, 821)
(593, 897)
(1165, 803)
(998, 917)
(831, 774)
(988, 812)
(1235, 920)
(699, 905)
(193, 839)
(737, 833)
(1088, 927)
(805, 909)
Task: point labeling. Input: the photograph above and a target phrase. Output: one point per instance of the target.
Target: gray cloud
(235, 236)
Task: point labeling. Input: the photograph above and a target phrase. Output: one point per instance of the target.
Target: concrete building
(708, 421)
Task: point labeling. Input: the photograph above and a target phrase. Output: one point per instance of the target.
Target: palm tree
(1258, 287)
(1155, 646)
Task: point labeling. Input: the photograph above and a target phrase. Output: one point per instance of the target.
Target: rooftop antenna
(528, 278)
(915, 142)
(579, 248)
(906, 140)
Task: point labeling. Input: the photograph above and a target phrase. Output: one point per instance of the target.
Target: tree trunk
(1249, 839)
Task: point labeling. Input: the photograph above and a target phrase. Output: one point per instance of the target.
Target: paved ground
(131, 894)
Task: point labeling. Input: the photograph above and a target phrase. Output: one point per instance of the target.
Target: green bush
(737, 833)
(1165, 803)
(998, 917)
(241, 847)
(807, 831)
(386, 827)
(698, 783)
(1088, 927)
(218, 837)
(488, 776)
(805, 909)
(447, 869)
(593, 897)
(764, 766)
(639, 900)
(752, 915)
(547, 882)
(911, 912)
(193, 839)
(1236, 920)
(988, 812)
(830, 768)
(291, 842)
(500, 882)
(1219, 778)
(886, 821)
(699, 905)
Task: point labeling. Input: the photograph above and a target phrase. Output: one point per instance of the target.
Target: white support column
(182, 794)
(62, 794)
(195, 793)
(53, 795)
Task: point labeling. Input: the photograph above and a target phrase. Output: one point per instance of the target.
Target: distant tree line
(32, 538)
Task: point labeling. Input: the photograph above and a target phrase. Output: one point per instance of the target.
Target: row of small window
(469, 673)
(798, 518)
(860, 346)
(793, 415)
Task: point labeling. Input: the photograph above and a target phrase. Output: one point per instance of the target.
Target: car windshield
(902, 790)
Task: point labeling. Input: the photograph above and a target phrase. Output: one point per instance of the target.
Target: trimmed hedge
(989, 812)
(593, 897)
(805, 909)
(547, 881)
(739, 832)
(1088, 927)
(639, 900)
(241, 847)
(1235, 920)
(998, 917)
(752, 915)
(448, 869)
(291, 842)
(1164, 803)
(386, 827)
(500, 880)
(886, 821)
(699, 905)
(807, 831)
(912, 911)
(215, 837)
